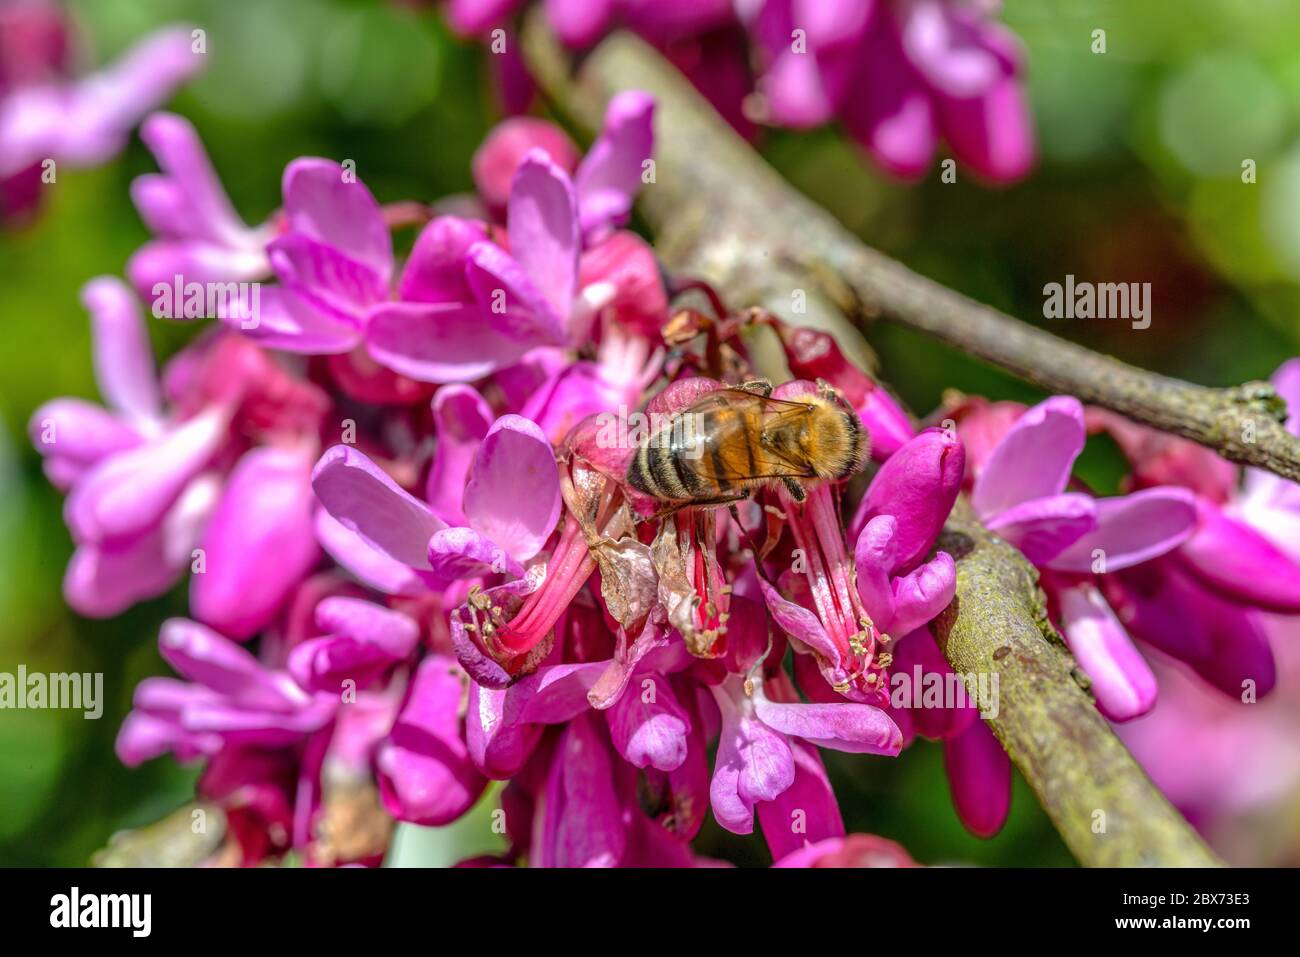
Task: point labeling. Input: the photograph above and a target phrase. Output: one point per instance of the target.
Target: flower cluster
(416, 566)
(898, 75)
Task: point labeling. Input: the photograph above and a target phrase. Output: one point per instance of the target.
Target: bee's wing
(729, 453)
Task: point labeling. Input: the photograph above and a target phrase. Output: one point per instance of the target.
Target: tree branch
(1104, 806)
(719, 212)
(718, 206)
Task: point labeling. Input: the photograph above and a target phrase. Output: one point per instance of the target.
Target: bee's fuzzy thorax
(837, 443)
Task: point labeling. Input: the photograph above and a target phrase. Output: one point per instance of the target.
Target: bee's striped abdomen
(654, 472)
(684, 461)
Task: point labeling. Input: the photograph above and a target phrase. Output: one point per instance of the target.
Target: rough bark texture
(720, 213)
(1103, 805)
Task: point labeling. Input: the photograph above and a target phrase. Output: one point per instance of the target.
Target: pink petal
(916, 658)
(391, 631)
(372, 566)
(322, 205)
(853, 728)
(947, 48)
(158, 263)
(498, 741)
(461, 418)
(128, 492)
(1240, 563)
(579, 23)
(258, 545)
(464, 553)
(918, 485)
(284, 321)
(922, 594)
(805, 627)
(648, 726)
(514, 456)
(992, 133)
(341, 287)
(753, 764)
(1034, 458)
(979, 773)
(438, 342)
(554, 694)
(425, 772)
(511, 302)
(609, 177)
(205, 207)
(855, 850)
(365, 500)
(496, 161)
(542, 218)
(105, 580)
(435, 270)
(1132, 529)
(874, 559)
(794, 90)
(475, 17)
(805, 812)
(1122, 681)
(79, 431)
(1042, 528)
(626, 262)
(892, 118)
(200, 654)
(124, 366)
(582, 824)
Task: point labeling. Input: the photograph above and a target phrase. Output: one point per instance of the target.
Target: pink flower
(152, 491)
(502, 533)
(605, 181)
(1020, 493)
(200, 236)
(45, 116)
(899, 75)
(468, 306)
(1205, 602)
(425, 773)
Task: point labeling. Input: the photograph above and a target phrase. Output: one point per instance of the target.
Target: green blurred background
(1139, 180)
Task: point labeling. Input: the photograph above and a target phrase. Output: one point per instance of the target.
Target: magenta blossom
(468, 306)
(1020, 493)
(83, 122)
(503, 530)
(900, 75)
(1207, 602)
(153, 490)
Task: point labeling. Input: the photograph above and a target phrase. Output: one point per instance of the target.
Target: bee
(728, 443)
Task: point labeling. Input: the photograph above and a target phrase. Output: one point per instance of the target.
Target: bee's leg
(795, 489)
(761, 387)
(698, 503)
(722, 500)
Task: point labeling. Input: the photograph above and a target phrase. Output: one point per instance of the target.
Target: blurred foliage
(1140, 180)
